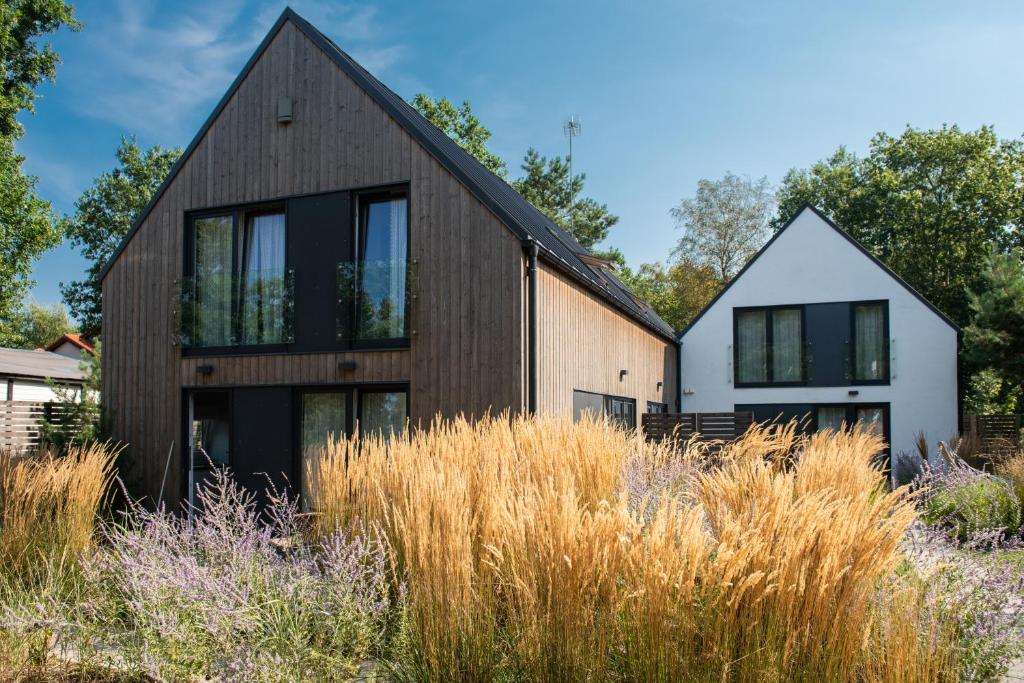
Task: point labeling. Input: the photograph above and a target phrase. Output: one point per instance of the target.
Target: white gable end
(811, 262)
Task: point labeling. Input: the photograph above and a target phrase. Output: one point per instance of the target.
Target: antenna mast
(572, 128)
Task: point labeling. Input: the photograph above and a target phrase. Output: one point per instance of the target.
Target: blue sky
(668, 92)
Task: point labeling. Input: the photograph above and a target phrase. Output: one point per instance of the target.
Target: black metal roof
(557, 247)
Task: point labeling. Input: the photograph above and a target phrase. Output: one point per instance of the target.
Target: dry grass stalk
(49, 505)
(524, 555)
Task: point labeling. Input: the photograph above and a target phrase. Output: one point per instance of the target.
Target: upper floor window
(382, 254)
(238, 290)
(769, 346)
(870, 342)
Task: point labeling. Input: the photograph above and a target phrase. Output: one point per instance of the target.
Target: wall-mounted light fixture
(284, 110)
(660, 384)
(346, 365)
(205, 369)
(853, 392)
(622, 374)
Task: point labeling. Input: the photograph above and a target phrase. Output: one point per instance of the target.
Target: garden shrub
(1012, 469)
(982, 503)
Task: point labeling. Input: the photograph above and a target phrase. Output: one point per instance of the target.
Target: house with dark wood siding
(323, 259)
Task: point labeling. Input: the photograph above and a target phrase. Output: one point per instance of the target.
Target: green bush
(981, 504)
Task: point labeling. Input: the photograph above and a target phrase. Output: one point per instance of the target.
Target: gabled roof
(557, 247)
(73, 339)
(848, 238)
(39, 365)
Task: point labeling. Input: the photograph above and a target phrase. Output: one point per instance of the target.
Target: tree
(461, 126)
(26, 232)
(677, 293)
(546, 185)
(26, 228)
(994, 341)
(25, 64)
(40, 326)
(104, 214)
(724, 224)
(78, 419)
(929, 203)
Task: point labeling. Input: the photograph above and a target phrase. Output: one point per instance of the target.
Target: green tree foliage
(677, 293)
(26, 232)
(724, 224)
(27, 229)
(80, 414)
(26, 64)
(463, 127)
(39, 326)
(546, 185)
(104, 214)
(994, 341)
(929, 203)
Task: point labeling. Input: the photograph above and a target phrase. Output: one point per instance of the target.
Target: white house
(25, 375)
(814, 327)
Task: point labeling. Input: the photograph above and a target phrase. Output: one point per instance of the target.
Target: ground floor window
(655, 407)
(814, 417)
(617, 408)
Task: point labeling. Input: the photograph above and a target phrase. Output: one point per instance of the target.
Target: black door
(261, 438)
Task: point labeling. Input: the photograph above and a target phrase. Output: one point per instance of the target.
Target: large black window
(237, 288)
(373, 288)
(870, 362)
(768, 346)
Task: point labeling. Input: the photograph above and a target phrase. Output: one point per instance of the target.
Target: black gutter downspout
(533, 368)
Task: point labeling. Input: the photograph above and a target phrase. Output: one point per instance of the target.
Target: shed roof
(39, 365)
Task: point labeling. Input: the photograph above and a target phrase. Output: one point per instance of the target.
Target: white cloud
(157, 74)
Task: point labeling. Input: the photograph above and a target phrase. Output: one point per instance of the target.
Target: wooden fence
(711, 426)
(994, 432)
(20, 422)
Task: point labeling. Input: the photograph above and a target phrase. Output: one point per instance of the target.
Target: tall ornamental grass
(49, 507)
(536, 549)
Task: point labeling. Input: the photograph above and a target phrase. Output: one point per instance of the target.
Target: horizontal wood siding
(299, 368)
(466, 352)
(584, 344)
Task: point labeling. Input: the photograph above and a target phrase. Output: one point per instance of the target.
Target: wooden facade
(467, 348)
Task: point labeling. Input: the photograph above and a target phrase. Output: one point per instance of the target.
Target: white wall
(812, 263)
(27, 390)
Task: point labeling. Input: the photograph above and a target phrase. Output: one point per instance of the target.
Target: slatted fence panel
(996, 432)
(710, 426)
(20, 422)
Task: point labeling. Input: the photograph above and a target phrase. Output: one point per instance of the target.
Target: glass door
(209, 419)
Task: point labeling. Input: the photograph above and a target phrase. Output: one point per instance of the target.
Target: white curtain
(869, 342)
(263, 280)
(751, 342)
(211, 314)
(323, 418)
(831, 417)
(398, 239)
(787, 343)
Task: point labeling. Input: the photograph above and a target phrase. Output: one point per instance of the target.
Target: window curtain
(263, 289)
(872, 420)
(831, 417)
(210, 317)
(383, 412)
(383, 248)
(324, 417)
(869, 342)
(751, 341)
(787, 343)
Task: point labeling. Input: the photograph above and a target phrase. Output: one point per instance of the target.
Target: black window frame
(239, 213)
(609, 411)
(361, 199)
(886, 352)
(660, 407)
(769, 334)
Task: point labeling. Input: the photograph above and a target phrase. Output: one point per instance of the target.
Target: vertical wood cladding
(585, 344)
(466, 352)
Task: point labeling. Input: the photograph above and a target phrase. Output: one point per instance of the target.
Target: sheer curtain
(787, 343)
(324, 417)
(869, 342)
(831, 417)
(751, 342)
(383, 251)
(263, 280)
(211, 317)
